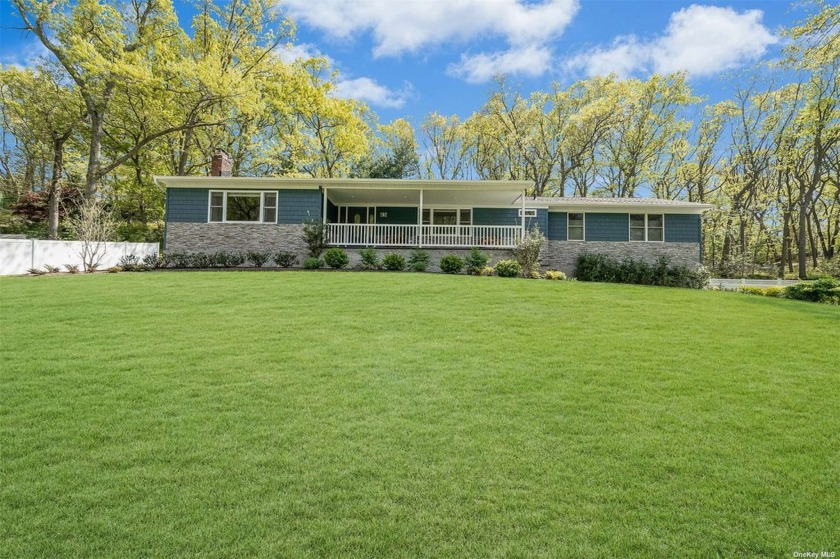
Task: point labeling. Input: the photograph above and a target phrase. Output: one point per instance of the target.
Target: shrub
(257, 258)
(508, 268)
(225, 259)
(177, 260)
(527, 252)
(487, 271)
(370, 259)
(535, 274)
(52, 269)
(555, 275)
(200, 260)
(315, 237)
(36, 271)
(312, 263)
(599, 267)
(128, 263)
(115, 269)
(823, 290)
(285, 259)
(772, 291)
(418, 261)
(72, 268)
(451, 264)
(476, 261)
(92, 267)
(152, 261)
(394, 262)
(336, 258)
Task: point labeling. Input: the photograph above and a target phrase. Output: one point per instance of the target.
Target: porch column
(523, 213)
(326, 201)
(420, 222)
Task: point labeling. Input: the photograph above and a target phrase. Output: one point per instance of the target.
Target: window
(243, 207)
(447, 217)
(647, 227)
(528, 212)
(576, 227)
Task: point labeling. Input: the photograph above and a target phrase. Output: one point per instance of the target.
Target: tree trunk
(802, 237)
(55, 184)
(785, 244)
(94, 156)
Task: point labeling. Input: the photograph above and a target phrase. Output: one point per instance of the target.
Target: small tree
(93, 226)
(315, 236)
(527, 252)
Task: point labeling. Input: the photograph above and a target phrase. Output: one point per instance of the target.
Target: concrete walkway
(736, 283)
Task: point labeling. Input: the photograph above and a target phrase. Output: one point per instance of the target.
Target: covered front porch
(433, 214)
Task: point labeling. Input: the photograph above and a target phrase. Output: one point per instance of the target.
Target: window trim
(569, 226)
(456, 209)
(529, 212)
(225, 193)
(646, 229)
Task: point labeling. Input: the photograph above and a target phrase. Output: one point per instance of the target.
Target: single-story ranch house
(221, 212)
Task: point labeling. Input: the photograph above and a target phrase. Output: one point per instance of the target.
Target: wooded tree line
(126, 93)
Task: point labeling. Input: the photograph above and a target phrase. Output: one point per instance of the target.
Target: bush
(285, 259)
(555, 275)
(177, 260)
(370, 259)
(773, 291)
(72, 268)
(394, 262)
(52, 269)
(257, 258)
(823, 290)
(315, 236)
(200, 260)
(508, 268)
(527, 252)
(336, 258)
(475, 261)
(225, 259)
(152, 261)
(115, 269)
(535, 274)
(419, 260)
(487, 271)
(128, 263)
(599, 267)
(36, 271)
(312, 263)
(451, 264)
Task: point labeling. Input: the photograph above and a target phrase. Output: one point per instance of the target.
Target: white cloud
(29, 53)
(528, 61)
(367, 89)
(407, 26)
(290, 53)
(702, 40)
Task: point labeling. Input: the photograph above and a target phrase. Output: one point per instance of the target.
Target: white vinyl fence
(19, 255)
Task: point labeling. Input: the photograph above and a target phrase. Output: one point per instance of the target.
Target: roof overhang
(640, 206)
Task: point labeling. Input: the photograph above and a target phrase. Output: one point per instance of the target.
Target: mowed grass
(401, 415)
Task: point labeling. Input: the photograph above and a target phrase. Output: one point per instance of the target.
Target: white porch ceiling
(448, 197)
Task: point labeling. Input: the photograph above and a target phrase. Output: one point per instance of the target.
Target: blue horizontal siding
(297, 206)
(682, 228)
(186, 205)
(607, 227)
(509, 216)
(556, 230)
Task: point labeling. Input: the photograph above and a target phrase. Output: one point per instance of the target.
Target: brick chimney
(220, 164)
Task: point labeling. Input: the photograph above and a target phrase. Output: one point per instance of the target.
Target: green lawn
(401, 415)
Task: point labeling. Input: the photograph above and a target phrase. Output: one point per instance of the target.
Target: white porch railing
(460, 236)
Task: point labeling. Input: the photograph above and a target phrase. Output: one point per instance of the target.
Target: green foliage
(772, 291)
(527, 252)
(370, 259)
(476, 261)
(224, 259)
(487, 271)
(257, 258)
(285, 259)
(129, 262)
(313, 263)
(508, 268)
(336, 258)
(555, 275)
(152, 261)
(603, 268)
(203, 260)
(315, 237)
(823, 290)
(451, 264)
(394, 262)
(418, 260)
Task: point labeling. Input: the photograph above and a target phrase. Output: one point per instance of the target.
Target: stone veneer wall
(562, 255)
(215, 237)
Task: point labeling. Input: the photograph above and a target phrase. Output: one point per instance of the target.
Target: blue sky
(406, 58)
